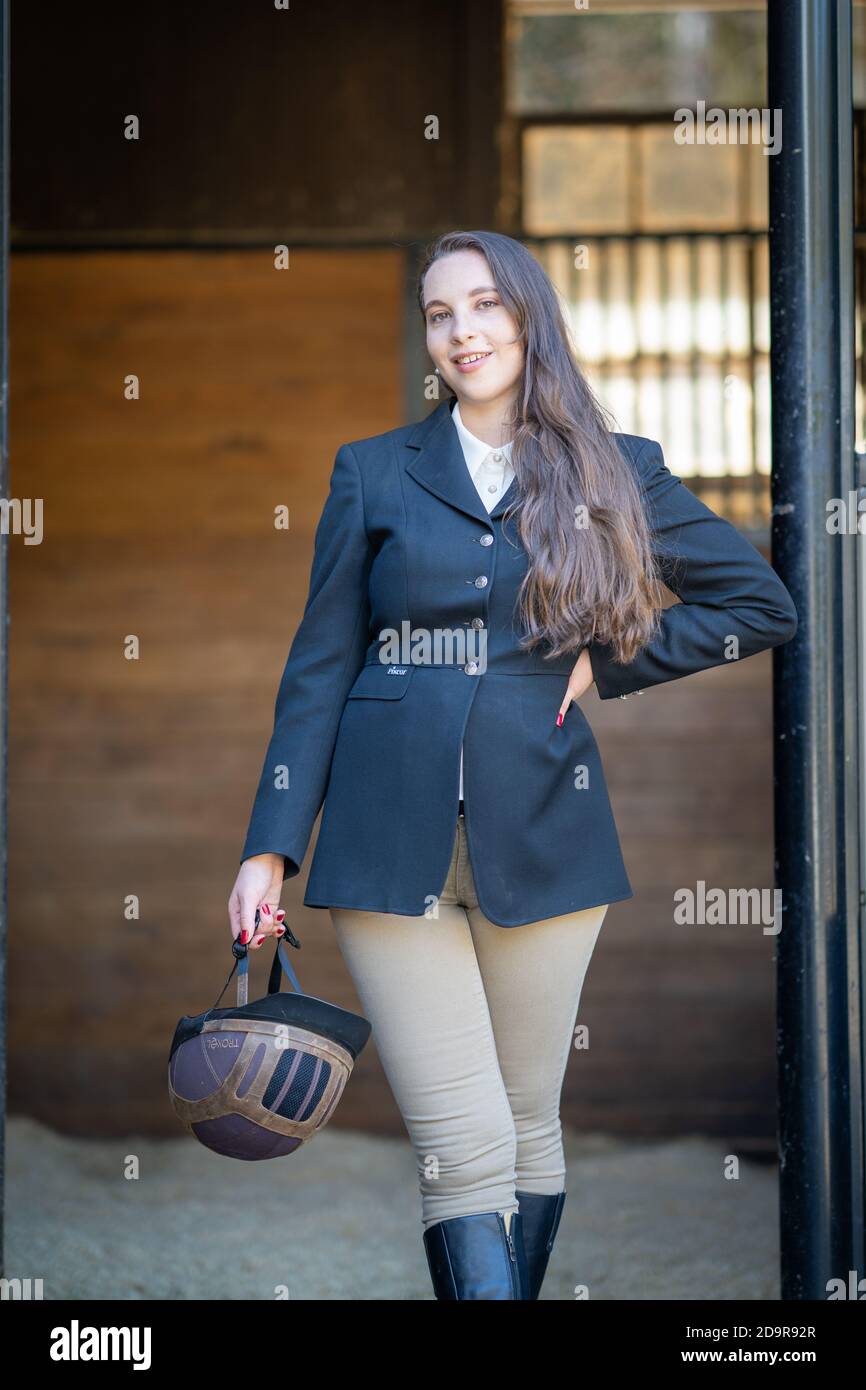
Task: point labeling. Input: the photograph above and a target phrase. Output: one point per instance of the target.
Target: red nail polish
(266, 909)
(559, 721)
(243, 937)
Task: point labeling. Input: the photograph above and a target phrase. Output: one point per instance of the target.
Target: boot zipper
(512, 1254)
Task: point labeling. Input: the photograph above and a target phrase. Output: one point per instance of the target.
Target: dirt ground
(341, 1220)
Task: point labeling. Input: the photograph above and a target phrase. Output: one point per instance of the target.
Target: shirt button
(471, 668)
(486, 540)
(492, 487)
(481, 581)
(497, 458)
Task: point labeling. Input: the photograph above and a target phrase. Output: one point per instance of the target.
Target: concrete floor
(341, 1220)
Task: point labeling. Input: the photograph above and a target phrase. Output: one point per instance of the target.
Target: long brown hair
(581, 519)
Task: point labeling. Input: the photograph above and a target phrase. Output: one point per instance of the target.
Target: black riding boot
(541, 1216)
(475, 1257)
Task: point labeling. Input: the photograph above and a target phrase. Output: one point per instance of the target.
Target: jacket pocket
(381, 681)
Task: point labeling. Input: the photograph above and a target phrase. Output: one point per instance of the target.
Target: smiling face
(467, 319)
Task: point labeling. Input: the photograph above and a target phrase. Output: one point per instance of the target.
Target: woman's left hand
(579, 682)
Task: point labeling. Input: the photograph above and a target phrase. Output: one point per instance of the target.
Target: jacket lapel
(436, 461)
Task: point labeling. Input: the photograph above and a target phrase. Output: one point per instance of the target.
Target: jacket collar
(437, 462)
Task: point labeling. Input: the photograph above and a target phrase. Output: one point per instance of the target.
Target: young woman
(473, 575)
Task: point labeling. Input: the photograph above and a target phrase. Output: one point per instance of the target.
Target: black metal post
(815, 694)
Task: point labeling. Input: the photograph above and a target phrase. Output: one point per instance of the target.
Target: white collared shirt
(491, 472)
(490, 469)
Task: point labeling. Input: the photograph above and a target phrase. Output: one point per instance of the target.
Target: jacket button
(486, 540)
(481, 581)
(477, 622)
(471, 668)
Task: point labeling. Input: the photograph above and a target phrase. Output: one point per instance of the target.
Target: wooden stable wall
(137, 777)
(134, 779)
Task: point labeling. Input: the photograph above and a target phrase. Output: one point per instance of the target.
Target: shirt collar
(476, 450)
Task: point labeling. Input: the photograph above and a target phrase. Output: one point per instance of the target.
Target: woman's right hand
(258, 885)
(581, 678)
